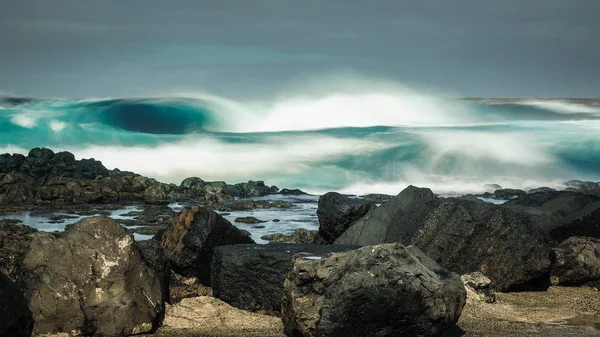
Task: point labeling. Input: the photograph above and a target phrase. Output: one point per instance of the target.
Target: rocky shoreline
(411, 264)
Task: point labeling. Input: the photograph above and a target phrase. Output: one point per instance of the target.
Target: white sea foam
(562, 106)
(57, 125)
(25, 120)
(211, 159)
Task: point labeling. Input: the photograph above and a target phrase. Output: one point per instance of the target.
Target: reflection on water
(303, 214)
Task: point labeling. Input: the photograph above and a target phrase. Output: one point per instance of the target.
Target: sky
(253, 48)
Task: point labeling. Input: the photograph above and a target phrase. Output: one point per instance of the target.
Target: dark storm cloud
(470, 47)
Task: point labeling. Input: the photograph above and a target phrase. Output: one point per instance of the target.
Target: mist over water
(377, 139)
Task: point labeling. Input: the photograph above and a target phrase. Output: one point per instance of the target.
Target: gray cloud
(245, 48)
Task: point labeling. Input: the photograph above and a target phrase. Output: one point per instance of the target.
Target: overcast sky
(245, 48)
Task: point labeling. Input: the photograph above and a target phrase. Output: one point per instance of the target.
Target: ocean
(356, 143)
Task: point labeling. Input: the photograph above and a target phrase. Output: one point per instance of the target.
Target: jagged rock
(561, 214)
(90, 279)
(191, 237)
(384, 290)
(577, 260)
(478, 287)
(504, 194)
(461, 235)
(255, 189)
(16, 318)
(337, 212)
(250, 277)
(586, 187)
(300, 235)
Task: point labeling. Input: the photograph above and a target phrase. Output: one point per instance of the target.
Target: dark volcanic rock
(255, 189)
(15, 317)
(385, 290)
(248, 220)
(561, 214)
(90, 279)
(337, 212)
(504, 194)
(577, 260)
(251, 277)
(587, 187)
(300, 235)
(44, 177)
(191, 237)
(294, 191)
(461, 235)
(541, 190)
(154, 255)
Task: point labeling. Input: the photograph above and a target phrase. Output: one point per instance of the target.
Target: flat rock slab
(251, 277)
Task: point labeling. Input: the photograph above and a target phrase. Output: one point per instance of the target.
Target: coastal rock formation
(336, 213)
(586, 187)
(189, 241)
(15, 317)
(504, 194)
(90, 279)
(45, 177)
(250, 277)
(300, 235)
(577, 260)
(561, 214)
(384, 290)
(463, 236)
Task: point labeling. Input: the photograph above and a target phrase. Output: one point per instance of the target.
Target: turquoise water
(350, 143)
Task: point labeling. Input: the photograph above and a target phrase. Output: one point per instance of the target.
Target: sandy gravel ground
(558, 312)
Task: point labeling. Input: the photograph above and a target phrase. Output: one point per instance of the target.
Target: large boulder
(461, 235)
(16, 318)
(384, 290)
(577, 260)
(190, 239)
(255, 189)
(337, 212)
(250, 277)
(561, 214)
(90, 279)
